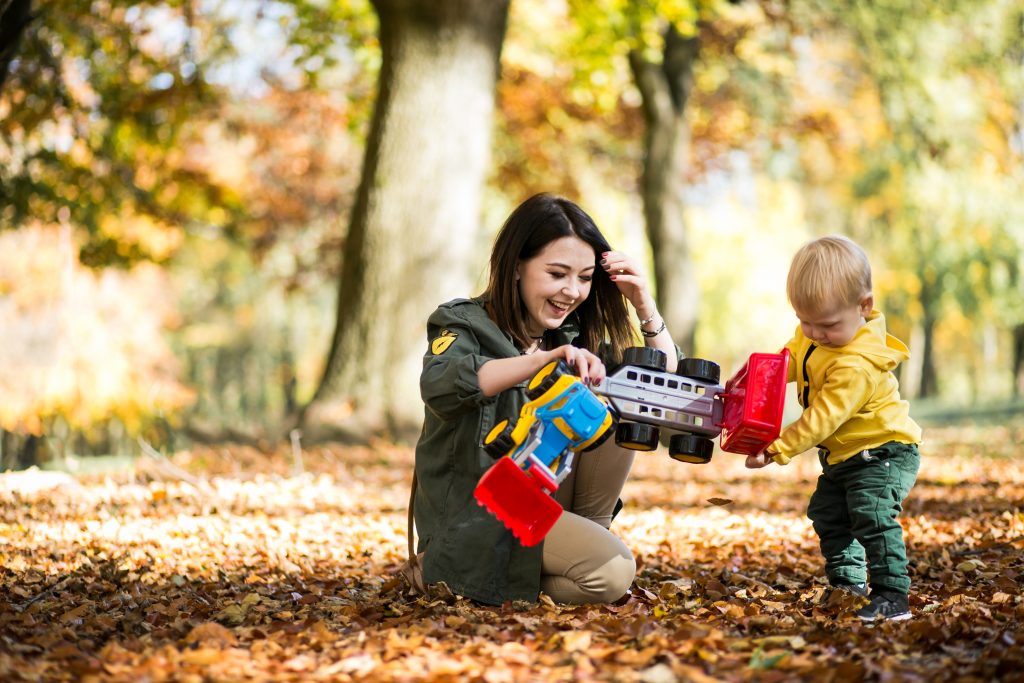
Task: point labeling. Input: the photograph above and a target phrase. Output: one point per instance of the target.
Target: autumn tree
(417, 208)
(133, 126)
(667, 44)
(928, 184)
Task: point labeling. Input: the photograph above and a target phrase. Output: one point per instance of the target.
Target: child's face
(835, 326)
(555, 282)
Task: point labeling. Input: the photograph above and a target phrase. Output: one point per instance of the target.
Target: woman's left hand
(630, 280)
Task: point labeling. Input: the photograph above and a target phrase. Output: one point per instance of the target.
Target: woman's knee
(609, 580)
(618, 575)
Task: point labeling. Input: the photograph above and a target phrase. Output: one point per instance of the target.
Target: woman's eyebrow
(568, 267)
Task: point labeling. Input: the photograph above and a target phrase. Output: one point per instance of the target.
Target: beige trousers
(583, 561)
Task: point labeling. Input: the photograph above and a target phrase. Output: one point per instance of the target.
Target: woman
(556, 291)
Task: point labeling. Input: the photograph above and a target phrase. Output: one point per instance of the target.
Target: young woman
(556, 291)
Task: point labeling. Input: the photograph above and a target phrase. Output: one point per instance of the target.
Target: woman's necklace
(535, 346)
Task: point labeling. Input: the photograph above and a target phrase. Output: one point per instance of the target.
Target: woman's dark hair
(538, 221)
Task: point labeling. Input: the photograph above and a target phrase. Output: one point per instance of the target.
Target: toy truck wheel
(601, 439)
(645, 357)
(499, 441)
(700, 370)
(691, 448)
(637, 436)
(546, 378)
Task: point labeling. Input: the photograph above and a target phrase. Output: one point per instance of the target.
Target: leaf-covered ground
(226, 564)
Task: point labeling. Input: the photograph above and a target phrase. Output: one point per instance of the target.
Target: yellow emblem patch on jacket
(442, 342)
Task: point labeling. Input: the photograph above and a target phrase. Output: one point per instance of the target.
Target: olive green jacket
(464, 545)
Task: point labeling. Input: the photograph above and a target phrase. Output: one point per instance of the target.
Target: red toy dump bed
(753, 401)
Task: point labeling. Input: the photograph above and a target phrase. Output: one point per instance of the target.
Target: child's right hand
(758, 460)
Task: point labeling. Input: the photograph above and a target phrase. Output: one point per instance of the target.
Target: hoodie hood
(875, 345)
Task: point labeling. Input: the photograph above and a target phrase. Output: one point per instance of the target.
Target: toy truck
(746, 412)
(563, 417)
(535, 454)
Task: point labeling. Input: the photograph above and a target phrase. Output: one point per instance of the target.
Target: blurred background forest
(229, 219)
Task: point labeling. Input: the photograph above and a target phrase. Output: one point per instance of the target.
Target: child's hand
(758, 460)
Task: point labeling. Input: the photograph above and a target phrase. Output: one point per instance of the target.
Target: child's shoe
(885, 606)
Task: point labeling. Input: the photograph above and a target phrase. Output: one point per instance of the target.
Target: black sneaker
(885, 606)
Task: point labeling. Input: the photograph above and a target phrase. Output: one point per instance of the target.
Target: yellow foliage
(78, 344)
(150, 235)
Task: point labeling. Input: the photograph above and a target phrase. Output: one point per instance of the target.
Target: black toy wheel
(700, 370)
(546, 378)
(604, 437)
(691, 448)
(499, 440)
(637, 436)
(645, 357)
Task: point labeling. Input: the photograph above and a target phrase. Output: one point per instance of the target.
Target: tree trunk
(14, 18)
(665, 89)
(1018, 360)
(417, 208)
(929, 301)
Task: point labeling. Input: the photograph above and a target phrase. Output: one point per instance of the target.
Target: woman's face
(555, 282)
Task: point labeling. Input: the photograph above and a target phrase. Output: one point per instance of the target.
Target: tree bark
(665, 89)
(417, 208)
(1018, 360)
(14, 18)
(930, 292)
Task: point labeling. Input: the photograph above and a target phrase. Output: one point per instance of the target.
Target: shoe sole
(898, 617)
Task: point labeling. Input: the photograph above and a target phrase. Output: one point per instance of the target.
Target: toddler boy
(842, 361)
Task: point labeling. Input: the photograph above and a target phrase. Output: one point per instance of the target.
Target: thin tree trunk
(417, 209)
(929, 377)
(1018, 360)
(665, 89)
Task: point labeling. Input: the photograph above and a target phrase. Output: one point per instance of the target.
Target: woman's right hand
(584, 363)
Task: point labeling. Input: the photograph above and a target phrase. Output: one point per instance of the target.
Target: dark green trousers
(855, 510)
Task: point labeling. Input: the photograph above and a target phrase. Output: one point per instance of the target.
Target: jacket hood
(877, 346)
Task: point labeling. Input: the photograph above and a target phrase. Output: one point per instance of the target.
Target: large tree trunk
(417, 209)
(665, 89)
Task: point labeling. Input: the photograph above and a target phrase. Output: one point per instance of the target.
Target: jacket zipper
(807, 378)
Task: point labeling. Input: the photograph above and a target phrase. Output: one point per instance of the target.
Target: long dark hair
(541, 219)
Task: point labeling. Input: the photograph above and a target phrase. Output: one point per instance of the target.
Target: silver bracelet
(649, 320)
(656, 332)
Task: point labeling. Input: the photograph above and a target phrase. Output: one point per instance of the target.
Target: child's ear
(867, 304)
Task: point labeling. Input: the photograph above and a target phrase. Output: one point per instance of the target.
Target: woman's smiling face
(555, 282)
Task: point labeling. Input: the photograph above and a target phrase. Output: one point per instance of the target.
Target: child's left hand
(758, 460)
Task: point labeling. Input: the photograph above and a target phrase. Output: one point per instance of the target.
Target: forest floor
(225, 564)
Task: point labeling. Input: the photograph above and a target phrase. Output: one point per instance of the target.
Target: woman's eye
(586, 278)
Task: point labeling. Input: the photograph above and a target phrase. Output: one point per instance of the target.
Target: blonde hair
(828, 272)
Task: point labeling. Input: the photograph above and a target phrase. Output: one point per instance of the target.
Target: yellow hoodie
(850, 397)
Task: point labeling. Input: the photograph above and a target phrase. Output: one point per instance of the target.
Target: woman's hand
(631, 281)
(585, 364)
